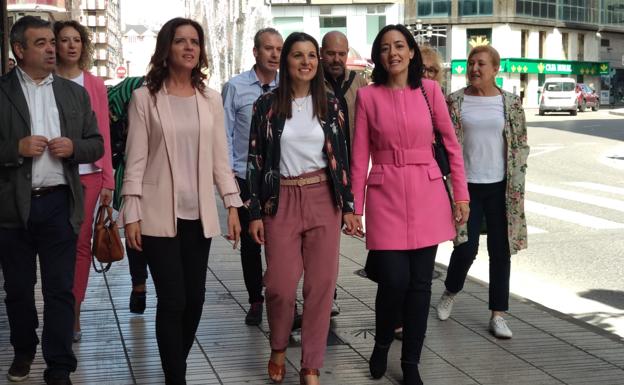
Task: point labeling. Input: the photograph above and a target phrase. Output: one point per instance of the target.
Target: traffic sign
(121, 72)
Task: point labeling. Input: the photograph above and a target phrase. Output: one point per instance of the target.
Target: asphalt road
(575, 212)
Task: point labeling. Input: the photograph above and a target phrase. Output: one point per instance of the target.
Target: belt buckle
(399, 158)
(300, 182)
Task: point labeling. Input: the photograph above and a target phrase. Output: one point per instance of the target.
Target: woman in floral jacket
(490, 125)
(298, 178)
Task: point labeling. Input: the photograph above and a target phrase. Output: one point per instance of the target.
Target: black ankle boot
(137, 302)
(411, 375)
(379, 361)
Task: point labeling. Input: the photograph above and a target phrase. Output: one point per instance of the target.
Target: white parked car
(559, 94)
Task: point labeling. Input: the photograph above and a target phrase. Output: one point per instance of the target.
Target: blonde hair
(491, 51)
(432, 54)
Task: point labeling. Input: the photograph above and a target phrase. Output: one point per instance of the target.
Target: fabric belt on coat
(305, 179)
(401, 158)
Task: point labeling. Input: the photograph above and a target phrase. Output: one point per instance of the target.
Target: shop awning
(541, 66)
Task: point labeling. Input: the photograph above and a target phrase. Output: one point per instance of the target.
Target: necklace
(300, 106)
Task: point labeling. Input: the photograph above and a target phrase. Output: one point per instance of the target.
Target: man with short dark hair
(47, 127)
(239, 94)
(344, 84)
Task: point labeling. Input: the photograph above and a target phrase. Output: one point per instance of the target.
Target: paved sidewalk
(120, 348)
(617, 111)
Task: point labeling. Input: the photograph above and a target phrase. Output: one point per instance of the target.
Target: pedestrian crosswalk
(581, 204)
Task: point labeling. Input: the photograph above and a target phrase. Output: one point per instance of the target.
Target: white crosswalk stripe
(571, 216)
(598, 187)
(609, 203)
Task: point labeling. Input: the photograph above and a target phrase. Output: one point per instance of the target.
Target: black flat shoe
(137, 302)
(379, 361)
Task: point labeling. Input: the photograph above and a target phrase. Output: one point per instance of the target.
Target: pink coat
(99, 102)
(151, 153)
(407, 206)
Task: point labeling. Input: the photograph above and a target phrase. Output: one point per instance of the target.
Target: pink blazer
(99, 102)
(151, 151)
(407, 206)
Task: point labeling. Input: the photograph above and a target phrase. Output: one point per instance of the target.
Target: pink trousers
(91, 187)
(303, 237)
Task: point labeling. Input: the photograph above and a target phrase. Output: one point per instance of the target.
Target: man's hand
(32, 146)
(61, 147)
(353, 225)
(256, 230)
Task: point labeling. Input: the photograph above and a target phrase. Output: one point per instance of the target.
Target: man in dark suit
(47, 128)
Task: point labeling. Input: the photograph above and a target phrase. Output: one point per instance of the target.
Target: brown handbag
(107, 247)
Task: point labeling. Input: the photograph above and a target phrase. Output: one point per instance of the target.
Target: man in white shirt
(47, 128)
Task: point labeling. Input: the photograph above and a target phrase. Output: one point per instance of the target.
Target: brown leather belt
(314, 179)
(38, 192)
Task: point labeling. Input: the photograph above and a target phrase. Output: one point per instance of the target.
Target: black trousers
(51, 236)
(403, 292)
(486, 200)
(137, 265)
(251, 259)
(178, 266)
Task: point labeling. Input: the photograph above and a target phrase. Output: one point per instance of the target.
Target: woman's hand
(461, 212)
(256, 230)
(234, 227)
(133, 235)
(106, 197)
(353, 225)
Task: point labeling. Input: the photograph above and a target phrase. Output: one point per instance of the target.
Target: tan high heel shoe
(277, 372)
(307, 372)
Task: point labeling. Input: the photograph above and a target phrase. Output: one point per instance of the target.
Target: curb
(619, 112)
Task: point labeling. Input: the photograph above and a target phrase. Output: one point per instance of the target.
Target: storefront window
(434, 8)
(475, 7)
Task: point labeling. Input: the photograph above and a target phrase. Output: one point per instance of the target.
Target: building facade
(536, 39)
(101, 17)
(138, 43)
(360, 20)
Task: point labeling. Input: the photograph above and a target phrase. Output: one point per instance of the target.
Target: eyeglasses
(430, 70)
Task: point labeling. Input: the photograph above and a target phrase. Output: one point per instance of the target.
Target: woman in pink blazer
(408, 212)
(74, 49)
(176, 154)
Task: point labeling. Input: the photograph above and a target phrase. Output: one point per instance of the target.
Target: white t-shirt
(302, 141)
(483, 120)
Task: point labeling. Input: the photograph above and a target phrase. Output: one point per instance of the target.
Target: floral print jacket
(517, 153)
(263, 174)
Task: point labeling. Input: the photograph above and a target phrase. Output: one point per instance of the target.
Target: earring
(165, 63)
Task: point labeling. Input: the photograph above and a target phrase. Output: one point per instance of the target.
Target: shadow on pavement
(613, 298)
(604, 128)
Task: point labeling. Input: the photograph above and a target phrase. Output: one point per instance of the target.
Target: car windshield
(559, 86)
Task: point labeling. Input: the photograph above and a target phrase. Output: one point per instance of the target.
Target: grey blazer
(78, 123)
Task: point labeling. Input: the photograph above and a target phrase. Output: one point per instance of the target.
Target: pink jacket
(151, 153)
(407, 206)
(99, 102)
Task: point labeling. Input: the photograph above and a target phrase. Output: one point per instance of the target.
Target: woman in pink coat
(74, 51)
(408, 212)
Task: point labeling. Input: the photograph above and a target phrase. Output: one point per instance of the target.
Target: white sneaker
(498, 328)
(445, 305)
(335, 309)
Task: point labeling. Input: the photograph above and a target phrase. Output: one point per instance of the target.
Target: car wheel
(583, 106)
(542, 112)
(596, 106)
(573, 112)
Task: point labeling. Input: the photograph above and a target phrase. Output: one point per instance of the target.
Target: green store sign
(536, 66)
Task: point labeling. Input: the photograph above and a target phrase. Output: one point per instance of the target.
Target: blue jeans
(49, 235)
(486, 200)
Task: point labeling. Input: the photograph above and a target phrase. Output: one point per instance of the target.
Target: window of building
(545, 9)
(542, 43)
(333, 23)
(524, 43)
(325, 10)
(581, 11)
(604, 42)
(434, 8)
(612, 12)
(374, 23)
(565, 41)
(581, 47)
(475, 7)
(288, 25)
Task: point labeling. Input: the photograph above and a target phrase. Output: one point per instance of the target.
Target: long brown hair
(158, 71)
(85, 36)
(283, 100)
